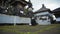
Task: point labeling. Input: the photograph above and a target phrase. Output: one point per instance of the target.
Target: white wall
(13, 19)
(42, 22)
(58, 19)
(43, 13)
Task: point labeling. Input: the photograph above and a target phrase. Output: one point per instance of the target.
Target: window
(43, 18)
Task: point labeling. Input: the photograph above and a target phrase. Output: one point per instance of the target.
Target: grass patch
(26, 29)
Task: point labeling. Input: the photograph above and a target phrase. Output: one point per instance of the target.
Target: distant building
(56, 12)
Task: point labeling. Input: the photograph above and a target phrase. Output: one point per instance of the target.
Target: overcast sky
(52, 4)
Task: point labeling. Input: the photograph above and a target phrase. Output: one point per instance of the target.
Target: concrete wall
(13, 19)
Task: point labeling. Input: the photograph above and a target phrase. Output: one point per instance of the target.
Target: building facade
(44, 16)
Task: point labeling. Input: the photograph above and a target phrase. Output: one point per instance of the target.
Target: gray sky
(52, 4)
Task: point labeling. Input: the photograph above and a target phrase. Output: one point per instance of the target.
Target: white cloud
(52, 4)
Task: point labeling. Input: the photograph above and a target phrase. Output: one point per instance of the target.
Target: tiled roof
(43, 9)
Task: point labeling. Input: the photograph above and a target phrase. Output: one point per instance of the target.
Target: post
(15, 21)
(30, 22)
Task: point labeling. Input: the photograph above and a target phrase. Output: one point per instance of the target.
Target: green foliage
(25, 11)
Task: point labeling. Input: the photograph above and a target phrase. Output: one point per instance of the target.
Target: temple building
(16, 7)
(43, 16)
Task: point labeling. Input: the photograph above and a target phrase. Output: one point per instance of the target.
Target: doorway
(33, 22)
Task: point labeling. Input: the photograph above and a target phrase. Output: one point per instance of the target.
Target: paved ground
(49, 33)
(7, 33)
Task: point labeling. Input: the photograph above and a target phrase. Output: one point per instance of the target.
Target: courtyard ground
(26, 29)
